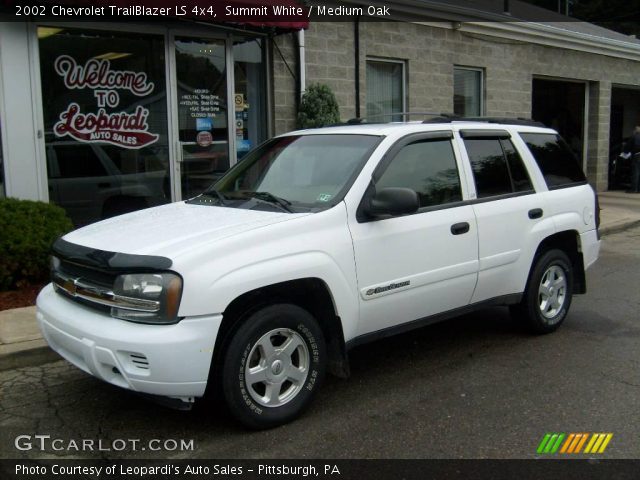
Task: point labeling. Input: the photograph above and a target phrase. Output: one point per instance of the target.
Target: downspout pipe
(356, 49)
(302, 63)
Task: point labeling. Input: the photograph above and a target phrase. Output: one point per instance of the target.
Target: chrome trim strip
(76, 288)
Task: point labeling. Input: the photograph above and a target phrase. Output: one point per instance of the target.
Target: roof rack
(360, 120)
(447, 118)
(509, 121)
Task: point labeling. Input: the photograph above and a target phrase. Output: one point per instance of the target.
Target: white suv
(318, 241)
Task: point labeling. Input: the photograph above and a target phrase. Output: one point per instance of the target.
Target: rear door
(510, 214)
(413, 266)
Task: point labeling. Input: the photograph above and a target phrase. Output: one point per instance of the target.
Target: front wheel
(547, 298)
(274, 364)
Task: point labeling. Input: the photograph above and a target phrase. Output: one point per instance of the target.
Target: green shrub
(318, 107)
(27, 230)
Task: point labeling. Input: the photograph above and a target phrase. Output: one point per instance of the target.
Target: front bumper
(167, 360)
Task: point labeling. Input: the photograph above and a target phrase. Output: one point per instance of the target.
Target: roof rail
(360, 120)
(509, 121)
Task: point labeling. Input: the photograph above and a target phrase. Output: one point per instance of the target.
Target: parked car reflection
(97, 181)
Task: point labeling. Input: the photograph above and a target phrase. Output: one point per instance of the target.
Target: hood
(171, 229)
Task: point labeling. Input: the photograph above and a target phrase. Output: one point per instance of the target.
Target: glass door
(202, 122)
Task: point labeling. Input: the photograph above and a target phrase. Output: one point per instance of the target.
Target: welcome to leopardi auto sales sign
(124, 129)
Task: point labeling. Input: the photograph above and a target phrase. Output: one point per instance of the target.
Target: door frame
(585, 106)
(172, 76)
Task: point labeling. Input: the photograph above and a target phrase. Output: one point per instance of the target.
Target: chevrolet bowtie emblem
(70, 286)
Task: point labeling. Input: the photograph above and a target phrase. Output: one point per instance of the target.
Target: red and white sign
(120, 128)
(98, 74)
(128, 130)
(204, 139)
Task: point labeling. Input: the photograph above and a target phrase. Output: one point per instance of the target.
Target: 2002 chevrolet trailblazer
(318, 241)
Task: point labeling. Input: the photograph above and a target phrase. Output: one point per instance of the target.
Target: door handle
(535, 213)
(459, 228)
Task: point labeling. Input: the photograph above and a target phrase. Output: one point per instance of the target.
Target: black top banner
(295, 14)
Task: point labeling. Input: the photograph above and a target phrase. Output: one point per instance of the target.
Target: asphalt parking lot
(478, 386)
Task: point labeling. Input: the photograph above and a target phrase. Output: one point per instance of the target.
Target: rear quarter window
(558, 163)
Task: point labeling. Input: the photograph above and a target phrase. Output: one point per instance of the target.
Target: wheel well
(312, 294)
(567, 241)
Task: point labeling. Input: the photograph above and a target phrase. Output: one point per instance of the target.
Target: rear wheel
(273, 366)
(547, 298)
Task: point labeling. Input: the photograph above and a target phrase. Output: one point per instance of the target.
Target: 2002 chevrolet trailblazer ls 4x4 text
(318, 241)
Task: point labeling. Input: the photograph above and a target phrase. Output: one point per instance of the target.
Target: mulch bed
(23, 297)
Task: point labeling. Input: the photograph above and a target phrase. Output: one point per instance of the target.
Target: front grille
(66, 271)
(88, 274)
(94, 288)
(67, 286)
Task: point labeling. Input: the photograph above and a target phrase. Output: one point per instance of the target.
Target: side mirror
(393, 201)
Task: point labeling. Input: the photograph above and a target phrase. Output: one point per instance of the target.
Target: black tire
(546, 317)
(248, 402)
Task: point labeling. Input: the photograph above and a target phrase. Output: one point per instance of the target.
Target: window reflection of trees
(492, 176)
(444, 187)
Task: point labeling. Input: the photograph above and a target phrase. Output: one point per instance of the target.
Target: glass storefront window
(105, 119)
(249, 99)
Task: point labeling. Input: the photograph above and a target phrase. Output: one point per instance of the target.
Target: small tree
(318, 107)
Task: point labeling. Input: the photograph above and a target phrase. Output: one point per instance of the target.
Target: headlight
(148, 297)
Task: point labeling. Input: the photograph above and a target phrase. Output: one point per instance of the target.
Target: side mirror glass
(393, 201)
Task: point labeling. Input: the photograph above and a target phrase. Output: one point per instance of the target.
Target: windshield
(294, 173)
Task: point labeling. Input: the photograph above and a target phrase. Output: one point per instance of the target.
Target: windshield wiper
(271, 198)
(215, 194)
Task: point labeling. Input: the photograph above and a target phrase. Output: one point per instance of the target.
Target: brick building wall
(430, 54)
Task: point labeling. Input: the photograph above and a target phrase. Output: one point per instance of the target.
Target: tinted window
(489, 165)
(78, 160)
(557, 162)
(519, 177)
(429, 168)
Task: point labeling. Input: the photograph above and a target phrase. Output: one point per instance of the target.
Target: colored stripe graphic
(550, 443)
(581, 443)
(598, 442)
(572, 443)
(543, 443)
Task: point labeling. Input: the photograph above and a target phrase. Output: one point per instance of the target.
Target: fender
(313, 264)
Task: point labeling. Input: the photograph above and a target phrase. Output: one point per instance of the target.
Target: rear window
(558, 163)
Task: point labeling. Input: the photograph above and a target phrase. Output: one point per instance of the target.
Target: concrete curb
(37, 352)
(28, 357)
(621, 227)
